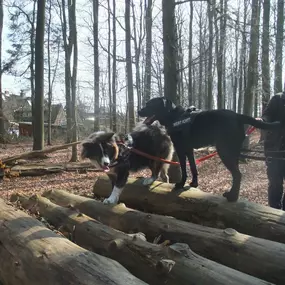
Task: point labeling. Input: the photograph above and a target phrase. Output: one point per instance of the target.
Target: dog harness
(124, 151)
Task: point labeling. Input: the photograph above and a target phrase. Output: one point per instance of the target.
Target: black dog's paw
(231, 196)
(194, 184)
(179, 185)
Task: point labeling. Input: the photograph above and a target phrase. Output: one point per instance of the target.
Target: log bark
(155, 264)
(201, 208)
(31, 254)
(257, 257)
(38, 169)
(37, 153)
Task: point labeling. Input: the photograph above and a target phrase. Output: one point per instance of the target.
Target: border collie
(103, 150)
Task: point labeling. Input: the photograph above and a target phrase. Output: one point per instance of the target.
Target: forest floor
(213, 176)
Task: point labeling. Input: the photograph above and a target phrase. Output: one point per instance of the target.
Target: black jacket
(274, 111)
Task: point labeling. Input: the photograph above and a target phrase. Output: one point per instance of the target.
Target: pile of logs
(166, 238)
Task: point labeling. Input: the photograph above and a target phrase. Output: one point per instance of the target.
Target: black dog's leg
(182, 160)
(122, 174)
(193, 168)
(230, 158)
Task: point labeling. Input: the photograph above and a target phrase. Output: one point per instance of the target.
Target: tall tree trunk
(67, 71)
(235, 70)
(38, 143)
(32, 63)
(96, 65)
(209, 104)
(200, 93)
(218, 60)
(137, 44)
(253, 57)
(131, 109)
(265, 55)
(49, 75)
(242, 73)
(223, 50)
(279, 47)
(148, 52)
(114, 75)
(191, 99)
(73, 31)
(109, 66)
(2, 128)
(169, 50)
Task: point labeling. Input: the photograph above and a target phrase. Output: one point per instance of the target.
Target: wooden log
(31, 254)
(200, 208)
(38, 169)
(38, 153)
(258, 257)
(155, 264)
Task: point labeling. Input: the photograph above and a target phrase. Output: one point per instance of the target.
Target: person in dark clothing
(274, 141)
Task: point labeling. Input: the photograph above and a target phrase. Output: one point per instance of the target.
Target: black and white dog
(189, 129)
(102, 148)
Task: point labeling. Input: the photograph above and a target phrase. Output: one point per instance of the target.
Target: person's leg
(275, 183)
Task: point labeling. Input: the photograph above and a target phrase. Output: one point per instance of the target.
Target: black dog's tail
(259, 124)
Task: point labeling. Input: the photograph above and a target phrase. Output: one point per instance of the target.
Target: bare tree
(109, 66)
(279, 47)
(265, 55)
(73, 32)
(67, 44)
(253, 59)
(96, 64)
(148, 51)
(209, 104)
(191, 98)
(114, 69)
(52, 72)
(242, 60)
(129, 71)
(2, 129)
(38, 122)
(169, 50)
(138, 38)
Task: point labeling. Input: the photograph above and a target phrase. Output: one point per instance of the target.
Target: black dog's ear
(168, 104)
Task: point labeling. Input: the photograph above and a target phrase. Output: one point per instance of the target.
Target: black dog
(189, 129)
(103, 149)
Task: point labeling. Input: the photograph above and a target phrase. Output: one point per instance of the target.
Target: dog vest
(186, 119)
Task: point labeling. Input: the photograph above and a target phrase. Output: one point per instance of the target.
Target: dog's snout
(106, 163)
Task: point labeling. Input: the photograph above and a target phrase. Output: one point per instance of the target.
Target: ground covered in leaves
(213, 176)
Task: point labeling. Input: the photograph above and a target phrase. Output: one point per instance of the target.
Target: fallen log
(201, 208)
(155, 264)
(258, 257)
(39, 169)
(38, 153)
(31, 254)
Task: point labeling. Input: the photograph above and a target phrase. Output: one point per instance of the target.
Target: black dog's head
(156, 109)
(101, 148)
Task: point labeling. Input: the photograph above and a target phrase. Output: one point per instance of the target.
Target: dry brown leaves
(213, 176)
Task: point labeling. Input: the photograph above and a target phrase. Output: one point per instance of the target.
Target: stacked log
(258, 257)
(155, 264)
(200, 208)
(31, 254)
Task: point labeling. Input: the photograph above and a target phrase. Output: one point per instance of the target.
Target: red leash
(198, 161)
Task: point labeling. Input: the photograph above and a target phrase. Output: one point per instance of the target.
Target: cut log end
(116, 244)
(230, 232)
(136, 236)
(164, 266)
